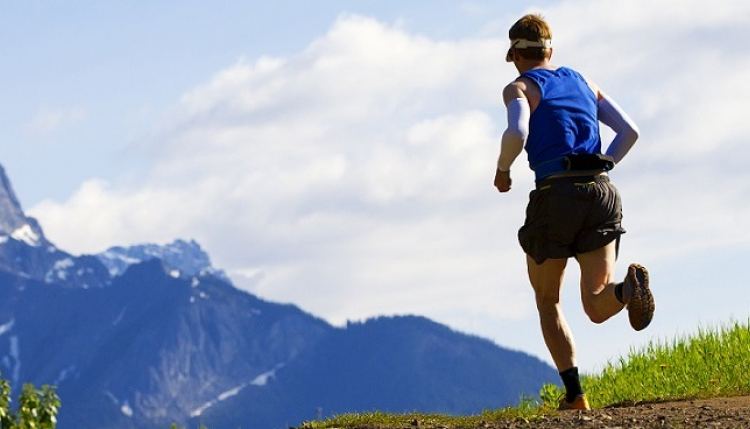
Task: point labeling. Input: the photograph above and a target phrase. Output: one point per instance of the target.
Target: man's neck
(525, 65)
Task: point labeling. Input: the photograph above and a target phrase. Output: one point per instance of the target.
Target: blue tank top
(565, 121)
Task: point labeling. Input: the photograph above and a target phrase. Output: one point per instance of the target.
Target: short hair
(533, 28)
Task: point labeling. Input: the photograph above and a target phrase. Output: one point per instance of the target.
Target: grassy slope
(709, 364)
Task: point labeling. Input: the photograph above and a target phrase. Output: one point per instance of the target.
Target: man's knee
(547, 302)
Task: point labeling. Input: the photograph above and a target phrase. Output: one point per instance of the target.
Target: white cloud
(272, 162)
(355, 177)
(48, 120)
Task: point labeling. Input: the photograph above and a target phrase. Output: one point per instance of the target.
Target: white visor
(523, 44)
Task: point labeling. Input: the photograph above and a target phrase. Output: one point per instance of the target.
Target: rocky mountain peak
(181, 257)
(13, 221)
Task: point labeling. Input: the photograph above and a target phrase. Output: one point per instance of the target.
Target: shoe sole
(641, 304)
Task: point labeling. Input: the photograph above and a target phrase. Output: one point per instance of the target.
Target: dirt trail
(720, 413)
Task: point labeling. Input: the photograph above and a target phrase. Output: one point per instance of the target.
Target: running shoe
(579, 403)
(641, 302)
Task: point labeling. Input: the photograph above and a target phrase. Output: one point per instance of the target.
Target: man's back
(564, 121)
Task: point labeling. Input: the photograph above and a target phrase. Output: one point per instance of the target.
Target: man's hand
(502, 180)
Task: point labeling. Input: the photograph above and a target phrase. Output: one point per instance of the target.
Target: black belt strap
(577, 180)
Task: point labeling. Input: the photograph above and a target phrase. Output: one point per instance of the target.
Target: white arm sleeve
(515, 135)
(626, 132)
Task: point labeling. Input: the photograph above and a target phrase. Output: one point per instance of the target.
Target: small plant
(550, 396)
(37, 409)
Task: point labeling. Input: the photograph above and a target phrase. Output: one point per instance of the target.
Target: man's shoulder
(515, 89)
(522, 87)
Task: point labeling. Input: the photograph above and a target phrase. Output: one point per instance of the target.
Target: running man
(575, 211)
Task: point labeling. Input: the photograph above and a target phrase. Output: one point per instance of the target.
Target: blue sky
(339, 155)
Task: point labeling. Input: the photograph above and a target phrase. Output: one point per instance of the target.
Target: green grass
(383, 420)
(710, 363)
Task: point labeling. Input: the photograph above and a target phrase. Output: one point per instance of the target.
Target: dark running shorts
(571, 215)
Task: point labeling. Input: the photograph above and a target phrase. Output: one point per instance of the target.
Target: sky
(339, 155)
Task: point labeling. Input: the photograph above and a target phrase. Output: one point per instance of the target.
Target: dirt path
(717, 413)
(720, 413)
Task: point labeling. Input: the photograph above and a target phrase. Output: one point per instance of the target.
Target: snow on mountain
(260, 380)
(27, 235)
(6, 327)
(182, 258)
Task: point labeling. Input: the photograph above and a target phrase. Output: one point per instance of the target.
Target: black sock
(572, 383)
(618, 292)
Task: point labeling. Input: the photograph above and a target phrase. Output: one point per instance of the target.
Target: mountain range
(149, 335)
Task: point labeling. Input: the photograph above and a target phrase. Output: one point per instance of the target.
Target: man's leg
(597, 283)
(546, 279)
(602, 298)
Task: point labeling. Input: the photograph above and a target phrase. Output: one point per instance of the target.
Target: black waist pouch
(589, 161)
